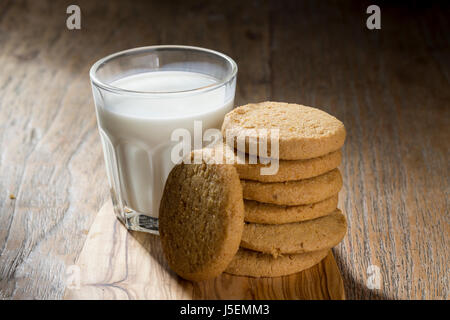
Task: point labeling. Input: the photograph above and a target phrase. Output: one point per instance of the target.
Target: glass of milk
(141, 96)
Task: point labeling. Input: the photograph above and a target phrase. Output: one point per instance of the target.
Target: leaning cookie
(304, 132)
(294, 193)
(255, 264)
(201, 219)
(307, 236)
(266, 213)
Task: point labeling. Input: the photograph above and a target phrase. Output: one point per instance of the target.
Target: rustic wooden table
(390, 87)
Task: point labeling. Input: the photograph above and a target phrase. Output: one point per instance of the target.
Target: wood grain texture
(390, 87)
(117, 264)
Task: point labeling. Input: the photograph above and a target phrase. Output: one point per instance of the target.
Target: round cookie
(294, 193)
(266, 213)
(289, 170)
(307, 236)
(201, 219)
(304, 132)
(256, 264)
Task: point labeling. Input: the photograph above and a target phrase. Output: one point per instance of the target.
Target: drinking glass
(141, 97)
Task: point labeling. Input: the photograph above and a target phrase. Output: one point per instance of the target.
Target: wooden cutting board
(118, 264)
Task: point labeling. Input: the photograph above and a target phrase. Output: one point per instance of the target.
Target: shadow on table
(355, 290)
(152, 244)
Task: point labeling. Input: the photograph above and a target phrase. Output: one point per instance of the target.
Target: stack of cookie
(291, 216)
(223, 214)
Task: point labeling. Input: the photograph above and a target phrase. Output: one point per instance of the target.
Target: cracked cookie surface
(304, 132)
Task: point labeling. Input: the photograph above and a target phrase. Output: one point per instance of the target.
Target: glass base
(136, 221)
(143, 223)
(132, 219)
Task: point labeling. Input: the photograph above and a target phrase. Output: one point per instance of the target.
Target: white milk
(137, 131)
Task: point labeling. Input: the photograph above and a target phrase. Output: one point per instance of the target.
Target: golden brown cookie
(266, 213)
(299, 237)
(289, 170)
(201, 219)
(256, 264)
(304, 132)
(293, 193)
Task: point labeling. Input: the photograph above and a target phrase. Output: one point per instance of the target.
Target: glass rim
(97, 82)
